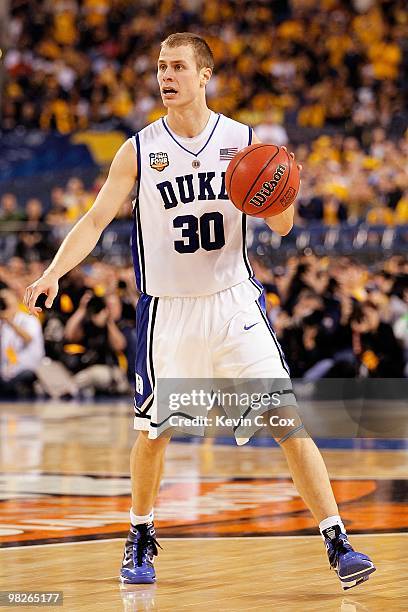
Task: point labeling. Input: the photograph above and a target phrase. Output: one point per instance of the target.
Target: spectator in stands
(76, 199)
(128, 296)
(401, 209)
(378, 352)
(96, 364)
(271, 129)
(334, 211)
(303, 336)
(380, 214)
(21, 347)
(72, 288)
(10, 213)
(322, 304)
(58, 204)
(400, 324)
(34, 241)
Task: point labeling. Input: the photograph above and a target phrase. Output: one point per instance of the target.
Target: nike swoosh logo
(127, 558)
(246, 327)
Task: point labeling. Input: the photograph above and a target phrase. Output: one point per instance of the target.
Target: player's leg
(310, 476)
(146, 457)
(146, 468)
(311, 479)
(164, 343)
(249, 349)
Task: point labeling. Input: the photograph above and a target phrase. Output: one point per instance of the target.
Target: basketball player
(198, 294)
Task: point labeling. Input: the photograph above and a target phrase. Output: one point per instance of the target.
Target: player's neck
(188, 123)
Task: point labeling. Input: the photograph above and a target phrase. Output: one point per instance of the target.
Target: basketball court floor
(235, 534)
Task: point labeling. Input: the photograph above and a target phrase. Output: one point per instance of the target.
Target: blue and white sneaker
(351, 567)
(140, 550)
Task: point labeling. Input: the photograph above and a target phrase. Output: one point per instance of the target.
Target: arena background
(327, 79)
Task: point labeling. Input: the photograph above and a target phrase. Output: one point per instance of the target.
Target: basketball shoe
(351, 567)
(140, 550)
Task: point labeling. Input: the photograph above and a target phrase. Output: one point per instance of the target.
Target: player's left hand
(48, 284)
(292, 155)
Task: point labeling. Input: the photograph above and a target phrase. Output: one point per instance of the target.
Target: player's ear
(205, 75)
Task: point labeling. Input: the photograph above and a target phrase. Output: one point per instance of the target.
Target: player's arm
(283, 223)
(85, 234)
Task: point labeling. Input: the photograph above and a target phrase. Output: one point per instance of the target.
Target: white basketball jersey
(188, 238)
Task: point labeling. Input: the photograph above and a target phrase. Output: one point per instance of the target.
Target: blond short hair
(202, 52)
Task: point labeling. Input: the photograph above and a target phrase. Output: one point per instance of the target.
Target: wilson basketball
(262, 180)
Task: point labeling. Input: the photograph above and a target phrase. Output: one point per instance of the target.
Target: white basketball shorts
(223, 335)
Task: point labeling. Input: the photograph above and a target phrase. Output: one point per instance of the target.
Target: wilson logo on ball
(268, 187)
(288, 197)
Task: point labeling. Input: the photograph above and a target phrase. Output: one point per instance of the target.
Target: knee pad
(286, 423)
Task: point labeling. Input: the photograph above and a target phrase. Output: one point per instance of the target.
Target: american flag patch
(227, 154)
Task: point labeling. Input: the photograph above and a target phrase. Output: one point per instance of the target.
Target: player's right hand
(47, 284)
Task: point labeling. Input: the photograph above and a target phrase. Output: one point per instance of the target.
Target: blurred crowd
(344, 182)
(74, 64)
(334, 317)
(33, 231)
(282, 66)
(82, 346)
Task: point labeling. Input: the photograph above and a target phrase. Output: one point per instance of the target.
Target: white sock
(138, 519)
(330, 521)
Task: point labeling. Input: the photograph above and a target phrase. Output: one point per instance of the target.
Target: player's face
(179, 78)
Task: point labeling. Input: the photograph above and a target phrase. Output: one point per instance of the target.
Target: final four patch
(159, 161)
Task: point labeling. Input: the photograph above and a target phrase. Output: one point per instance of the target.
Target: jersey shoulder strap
(231, 125)
(151, 132)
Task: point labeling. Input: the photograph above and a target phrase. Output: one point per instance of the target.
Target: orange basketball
(262, 180)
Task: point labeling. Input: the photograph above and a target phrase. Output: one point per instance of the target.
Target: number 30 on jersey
(206, 232)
